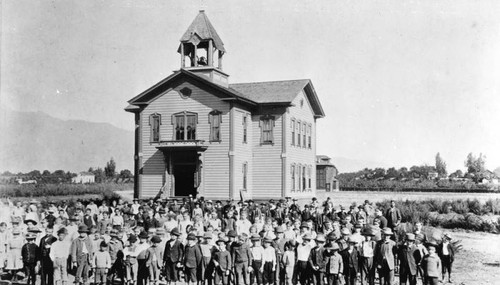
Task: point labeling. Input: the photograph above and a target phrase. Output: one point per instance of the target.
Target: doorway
(184, 179)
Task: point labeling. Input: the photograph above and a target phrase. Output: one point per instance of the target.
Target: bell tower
(202, 49)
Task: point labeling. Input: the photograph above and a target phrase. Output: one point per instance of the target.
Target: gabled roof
(284, 92)
(202, 27)
(159, 88)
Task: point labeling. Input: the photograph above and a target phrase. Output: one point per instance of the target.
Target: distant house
(83, 178)
(432, 175)
(326, 174)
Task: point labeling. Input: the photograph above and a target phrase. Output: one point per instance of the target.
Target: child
(366, 258)
(289, 261)
(102, 263)
(257, 251)
(155, 260)
(173, 256)
(59, 255)
(334, 265)
(242, 259)
(141, 250)
(3, 245)
(206, 248)
(350, 256)
(223, 264)
(131, 260)
(192, 260)
(82, 252)
(14, 246)
(317, 260)
(446, 252)
(432, 266)
(31, 257)
(268, 262)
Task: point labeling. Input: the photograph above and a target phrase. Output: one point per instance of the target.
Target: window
(309, 182)
(245, 172)
(309, 134)
(303, 178)
(267, 125)
(185, 125)
(292, 172)
(215, 119)
(293, 131)
(245, 126)
(298, 133)
(155, 122)
(299, 177)
(321, 178)
(304, 127)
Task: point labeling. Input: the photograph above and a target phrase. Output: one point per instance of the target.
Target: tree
(46, 173)
(457, 174)
(110, 168)
(126, 174)
(391, 173)
(475, 165)
(440, 166)
(100, 176)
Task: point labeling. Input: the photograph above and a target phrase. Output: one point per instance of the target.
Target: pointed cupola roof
(201, 29)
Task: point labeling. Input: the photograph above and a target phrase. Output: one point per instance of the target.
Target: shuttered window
(185, 125)
(267, 125)
(292, 127)
(303, 178)
(245, 173)
(215, 120)
(298, 133)
(309, 180)
(292, 174)
(155, 122)
(245, 127)
(309, 134)
(304, 129)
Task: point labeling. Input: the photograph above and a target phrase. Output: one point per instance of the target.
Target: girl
(289, 261)
(14, 258)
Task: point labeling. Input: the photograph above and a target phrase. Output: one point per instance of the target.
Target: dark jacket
(240, 253)
(350, 260)
(224, 260)
(451, 251)
(30, 253)
(192, 256)
(408, 256)
(393, 217)
(174, 253)
(384, 253)
(318, 258)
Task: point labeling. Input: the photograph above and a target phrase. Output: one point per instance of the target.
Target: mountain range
(37, 141)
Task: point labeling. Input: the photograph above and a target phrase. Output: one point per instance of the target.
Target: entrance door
(184, 180)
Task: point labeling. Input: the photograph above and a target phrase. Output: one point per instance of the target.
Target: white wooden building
(198, 134)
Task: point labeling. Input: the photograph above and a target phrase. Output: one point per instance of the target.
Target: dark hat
(30, 220)
(62, 231)
(221, 240)
(83, 229)
(368, 232)
(132, 238)
(333, 246)
(50, 240)
(175, 232)
(231, 233)
(143, 235)
(30, 236)
(113, 233)
(191, 237)
(34, 230)
(358, 226)
(255, 237)
(155, 239)
(103, 244)
(304, 225)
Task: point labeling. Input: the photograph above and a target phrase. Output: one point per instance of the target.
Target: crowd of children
(199, 241)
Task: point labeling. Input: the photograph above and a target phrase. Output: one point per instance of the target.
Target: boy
(317, 260)
(192, 260)
(268, 262)
(141, 250)
(432, 266)
(131, 260)
(59, 253)
(350, 257)
(334, 265)
(173, 256)
(384, 257)
(257, 252)
(102, 263)
(407, 262)
(241, 259)
(155, 260)
(223, 264)
(82, 252)
(446, 252)
(31, 257)
(367, 249)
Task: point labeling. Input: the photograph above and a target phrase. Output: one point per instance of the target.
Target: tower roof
(202, 27)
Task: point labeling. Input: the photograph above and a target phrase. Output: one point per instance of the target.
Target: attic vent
(186, 92)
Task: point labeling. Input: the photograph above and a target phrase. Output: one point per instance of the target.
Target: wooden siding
(301, 155)
(242, 152)
(267, 157)
(215, 159)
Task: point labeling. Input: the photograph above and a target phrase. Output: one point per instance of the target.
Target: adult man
(407, 261)
(384, 257)
(382, 220)
(82, 252)
(46, 264)
(393, 216)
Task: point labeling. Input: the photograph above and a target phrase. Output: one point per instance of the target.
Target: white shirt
(257, 252)
(269, 255)
(303, 252)
(445, 248)
(243, 226)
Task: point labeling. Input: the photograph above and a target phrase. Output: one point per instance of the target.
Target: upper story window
(304, 130)
(309, 135)
(298, 133)
(292, 127)
(155, 122)
(245, 128)
(245, 175)
(215, 120)
(185, 125)
(266, 126)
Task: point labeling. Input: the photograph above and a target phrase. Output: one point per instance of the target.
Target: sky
(399, 80)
